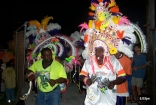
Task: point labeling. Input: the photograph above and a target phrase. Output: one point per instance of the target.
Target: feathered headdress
(111, 27)
(43, 24)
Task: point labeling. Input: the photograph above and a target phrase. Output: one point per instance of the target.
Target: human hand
(88, 82)
(135, 68)
(52, 82)
(31, 76)
(111, 85)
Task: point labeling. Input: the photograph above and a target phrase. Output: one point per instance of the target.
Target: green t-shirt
(56, 70)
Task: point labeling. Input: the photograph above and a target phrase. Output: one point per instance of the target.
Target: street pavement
(70, 97)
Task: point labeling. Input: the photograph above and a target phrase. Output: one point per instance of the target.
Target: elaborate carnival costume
(44, 35)
(114, 32)
(79, 45)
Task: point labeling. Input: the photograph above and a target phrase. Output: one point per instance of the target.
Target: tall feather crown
(111, 27)
(43, 24)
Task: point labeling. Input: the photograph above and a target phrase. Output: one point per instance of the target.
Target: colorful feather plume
(120, 34)
(92, 7)
(32, 27)
(100, 1)
(83, 26)
(126, 40)
(91, 14)
(124, 20)
(53, 26)
(112, 3)
(114, 9)
(35, 23)
(45, 21)
(116, 19)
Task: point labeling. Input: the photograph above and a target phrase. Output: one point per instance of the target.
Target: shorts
(138, 82)
(121, 100)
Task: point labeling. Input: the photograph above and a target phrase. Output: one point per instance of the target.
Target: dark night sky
(69, 14)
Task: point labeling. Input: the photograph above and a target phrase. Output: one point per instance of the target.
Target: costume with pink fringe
(79, 45)
(111, 30)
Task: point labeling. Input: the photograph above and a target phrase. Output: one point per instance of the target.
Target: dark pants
(10, 94)
(49, 98)
(121, 100)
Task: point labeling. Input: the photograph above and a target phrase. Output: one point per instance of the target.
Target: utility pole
(13, 21)
(150, 32)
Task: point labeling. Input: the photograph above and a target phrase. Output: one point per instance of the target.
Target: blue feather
(54, 32)
(31, 38)
(90, 18)
(116, 14)
(126, 40)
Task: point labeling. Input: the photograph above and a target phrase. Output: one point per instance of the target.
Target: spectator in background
(139, 71)
(8, 76)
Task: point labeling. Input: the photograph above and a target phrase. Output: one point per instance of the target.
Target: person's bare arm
(119, 80)
(52, 82)
(139, 67)
(30, 75)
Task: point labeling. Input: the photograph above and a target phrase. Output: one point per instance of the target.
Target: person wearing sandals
(122, 89)
(138, 72)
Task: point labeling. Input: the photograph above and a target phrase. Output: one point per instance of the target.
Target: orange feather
(91, 14)
(98, 24)
(86, 38)
(120, 34)
(99, 1)
(115, 9)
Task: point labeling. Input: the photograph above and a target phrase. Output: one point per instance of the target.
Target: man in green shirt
(49, 74)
